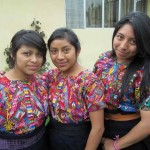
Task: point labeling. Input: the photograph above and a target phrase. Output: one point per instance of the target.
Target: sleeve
(94, 94)
(102, 63)
(97, 66)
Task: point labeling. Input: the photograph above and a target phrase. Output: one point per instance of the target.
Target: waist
(121, 117)
(10, 141)
(70, 128)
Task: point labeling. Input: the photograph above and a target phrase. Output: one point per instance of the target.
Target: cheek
(115, 44)
(19, 61)
(134, 51)
(41, 60)
(52, 57)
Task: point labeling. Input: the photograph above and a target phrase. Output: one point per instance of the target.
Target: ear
(78, 52)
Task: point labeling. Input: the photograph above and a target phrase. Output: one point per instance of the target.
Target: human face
(124, 44)
(28, 61)
(63, 56)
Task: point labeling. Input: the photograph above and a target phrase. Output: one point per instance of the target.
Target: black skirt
(35, 140)
(68, 136)
(121, 128)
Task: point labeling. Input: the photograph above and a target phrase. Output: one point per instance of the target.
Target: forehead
(60, 42)
(127, 29)
(27, 48)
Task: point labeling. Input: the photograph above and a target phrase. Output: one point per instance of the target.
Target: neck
(74, 71)
(14, 75)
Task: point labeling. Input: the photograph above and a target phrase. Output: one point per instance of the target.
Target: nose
(34, 58)
(60, 55)
(124, 44)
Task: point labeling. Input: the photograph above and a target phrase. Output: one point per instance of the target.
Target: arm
(97, 122)
(138, 133)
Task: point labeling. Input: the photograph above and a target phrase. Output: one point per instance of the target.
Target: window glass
(141, 5)
(127, 6)
(75, 13)
(111, 12)
(93, 13)
(99, 13)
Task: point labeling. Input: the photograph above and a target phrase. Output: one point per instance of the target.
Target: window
(99, 13)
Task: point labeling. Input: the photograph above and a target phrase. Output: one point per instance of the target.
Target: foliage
(44, 68)
(6, 52)
(36, 25)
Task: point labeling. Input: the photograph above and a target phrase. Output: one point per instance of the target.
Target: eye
(133, 42)
(66, 50)
(27, 53)
(119, 37)
(53, 51)
(40, 54)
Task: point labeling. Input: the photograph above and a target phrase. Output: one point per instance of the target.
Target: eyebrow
(124, 35)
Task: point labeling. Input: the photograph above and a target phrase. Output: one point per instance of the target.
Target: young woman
(23, 95)
(125, 73)
(75, 97)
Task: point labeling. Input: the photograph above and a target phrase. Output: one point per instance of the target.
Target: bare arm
(138, 133)
(97, 122)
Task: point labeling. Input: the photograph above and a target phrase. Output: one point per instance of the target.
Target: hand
(108, 144)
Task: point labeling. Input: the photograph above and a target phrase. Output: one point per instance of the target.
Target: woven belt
(120, 117)
(14, 142)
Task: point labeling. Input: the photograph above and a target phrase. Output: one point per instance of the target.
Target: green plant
(36, 26)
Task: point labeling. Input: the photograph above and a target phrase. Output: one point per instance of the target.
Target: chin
(31, 73)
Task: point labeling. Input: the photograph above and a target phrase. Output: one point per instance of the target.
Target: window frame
(103, 14)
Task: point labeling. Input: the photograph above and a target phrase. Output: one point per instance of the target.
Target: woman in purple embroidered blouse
(75, 97)
(125, 73)
(23, 94)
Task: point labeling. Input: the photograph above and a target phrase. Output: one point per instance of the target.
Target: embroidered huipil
(111, 73)
(73, 97)
(23, 104)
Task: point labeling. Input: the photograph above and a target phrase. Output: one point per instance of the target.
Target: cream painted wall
(18, 14)
(93, 43)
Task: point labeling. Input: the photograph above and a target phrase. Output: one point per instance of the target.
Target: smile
(33, 67)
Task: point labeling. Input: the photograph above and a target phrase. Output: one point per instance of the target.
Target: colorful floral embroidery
(73, 97)
(23, 104)
(111, 73)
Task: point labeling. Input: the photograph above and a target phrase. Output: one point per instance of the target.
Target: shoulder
(4, 82)
(107, 54)
(40, 78)
(53, 73)
(87, 77)
(104, 62)
(105, 57)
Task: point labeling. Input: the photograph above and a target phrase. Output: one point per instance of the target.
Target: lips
(34, 67)
(61, 64)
